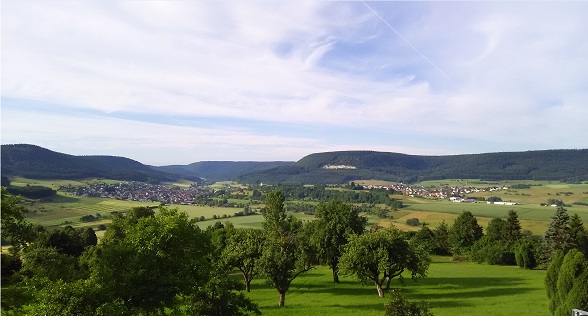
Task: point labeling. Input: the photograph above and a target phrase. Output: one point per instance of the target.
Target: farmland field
(67, 209)
(450, 288)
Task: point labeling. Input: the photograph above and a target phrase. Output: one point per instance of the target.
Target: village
(142, 192)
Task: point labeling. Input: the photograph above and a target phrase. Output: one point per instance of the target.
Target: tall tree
(380, 256)
(464, 233)
(496, 229)
(557, 236)
(512, 231)
(578, 234)
(243, 251)
(159, 258)
(567, 282)
(335, 222)
(441, 245)
(285, 254)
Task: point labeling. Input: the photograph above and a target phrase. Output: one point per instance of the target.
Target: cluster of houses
(454, 193)
(142, 192)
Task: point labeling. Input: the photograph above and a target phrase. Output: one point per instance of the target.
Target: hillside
(35, 162)
(343, 166)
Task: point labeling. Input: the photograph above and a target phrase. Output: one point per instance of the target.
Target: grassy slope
(450, 288)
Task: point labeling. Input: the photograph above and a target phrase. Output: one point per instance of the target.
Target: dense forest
(563, 165)
(566, 165)
(35, 162)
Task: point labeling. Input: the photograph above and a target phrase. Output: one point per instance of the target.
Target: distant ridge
(222, 170)
(564, 164)
(35, 162)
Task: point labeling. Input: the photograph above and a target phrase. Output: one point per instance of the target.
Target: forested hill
(35, 162)
(343, 166)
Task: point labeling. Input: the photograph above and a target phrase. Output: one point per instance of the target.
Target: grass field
(533, 217)
(450, 288)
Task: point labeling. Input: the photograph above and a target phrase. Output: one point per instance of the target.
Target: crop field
(450, 288)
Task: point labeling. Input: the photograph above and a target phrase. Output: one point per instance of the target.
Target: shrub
(400, 306)
(413, 222)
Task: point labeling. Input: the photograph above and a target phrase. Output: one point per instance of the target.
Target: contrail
(409, 44)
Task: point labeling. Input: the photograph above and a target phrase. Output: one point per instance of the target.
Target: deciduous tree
(285, 254)
(335, 222)
(464, 233)
(243, 251)
(380, 256)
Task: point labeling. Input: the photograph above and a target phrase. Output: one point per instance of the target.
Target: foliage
(380, 256)
(496, 229)
(335, 222)
(512, 231)
(32, 191)
(492, 251)
(400, 306)
(35, 162)
(16, 230)
(530, 165)
(413, 222)
(567, 282)
(578, 234)
(464, 233)
(68, 240)
(557, 236)
(286, 253)
(220, 296)
(526, 253)
(441, 245)
(425, 238)
(243, 251)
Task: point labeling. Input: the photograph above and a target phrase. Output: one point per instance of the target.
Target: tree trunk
(248, 286)
(282, 299)
(380, 291)
(388, 283)
(335, 273)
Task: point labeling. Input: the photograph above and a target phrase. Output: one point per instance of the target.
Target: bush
(400, 306)
(492, 252)
(413, 222)
(567, 282)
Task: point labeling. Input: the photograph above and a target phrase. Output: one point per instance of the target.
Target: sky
(175, 82)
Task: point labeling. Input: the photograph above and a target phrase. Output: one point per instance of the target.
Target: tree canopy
(335, 223)
(382, 255)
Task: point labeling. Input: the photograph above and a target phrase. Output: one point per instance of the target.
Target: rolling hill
(343, 166)
(31, 161)
(35, 162)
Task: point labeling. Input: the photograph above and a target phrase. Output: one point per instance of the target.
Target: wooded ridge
(329, 167)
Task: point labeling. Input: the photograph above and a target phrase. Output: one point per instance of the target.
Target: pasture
(450, 288)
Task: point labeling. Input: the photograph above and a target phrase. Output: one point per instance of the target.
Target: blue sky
(174, 82)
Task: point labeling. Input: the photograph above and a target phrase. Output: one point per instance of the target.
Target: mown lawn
(450, 288)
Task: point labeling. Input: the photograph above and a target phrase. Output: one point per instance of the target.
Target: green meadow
(450, 288)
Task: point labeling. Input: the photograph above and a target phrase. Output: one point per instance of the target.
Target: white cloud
(518, 67)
